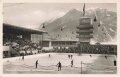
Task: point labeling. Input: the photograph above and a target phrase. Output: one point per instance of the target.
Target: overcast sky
(31, 15)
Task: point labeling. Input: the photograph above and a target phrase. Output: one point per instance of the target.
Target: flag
(84, 9)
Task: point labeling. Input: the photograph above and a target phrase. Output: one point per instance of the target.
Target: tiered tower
(85, 30)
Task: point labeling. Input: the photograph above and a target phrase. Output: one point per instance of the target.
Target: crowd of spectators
(21, 47)
(90, 49)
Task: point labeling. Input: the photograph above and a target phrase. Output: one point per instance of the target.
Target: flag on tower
(84, 9)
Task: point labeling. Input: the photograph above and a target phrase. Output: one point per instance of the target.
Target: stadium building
(16, 38)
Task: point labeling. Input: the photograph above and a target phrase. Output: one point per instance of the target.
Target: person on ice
(59, 66)
(71, 56)
(115, 62)
(90, 55)
(49, 55)
(23, 57)
(106, 57)
(71, 63)
(36, 63)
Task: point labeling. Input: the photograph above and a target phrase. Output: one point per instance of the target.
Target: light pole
(81, 67)
(42, 43)
(42, 36)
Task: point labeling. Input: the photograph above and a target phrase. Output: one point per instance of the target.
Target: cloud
(35, 18)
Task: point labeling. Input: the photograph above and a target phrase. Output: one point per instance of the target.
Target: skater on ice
(71, 63)
(23, 57)
(59, 66)
(71, 56)
(106, 57)
(90, 55)
(36, 64)
(115, 62)
(49, 55)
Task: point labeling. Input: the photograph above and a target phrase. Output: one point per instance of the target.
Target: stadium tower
(85, 29)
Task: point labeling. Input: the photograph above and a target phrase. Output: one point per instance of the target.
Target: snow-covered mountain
(64, 28)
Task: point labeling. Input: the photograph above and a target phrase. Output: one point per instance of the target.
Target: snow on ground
(97, 63)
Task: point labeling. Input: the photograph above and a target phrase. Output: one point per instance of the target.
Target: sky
(32, 15)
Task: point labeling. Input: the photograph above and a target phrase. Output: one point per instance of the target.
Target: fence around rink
(83, 67)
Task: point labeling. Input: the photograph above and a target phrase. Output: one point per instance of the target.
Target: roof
(7, 28)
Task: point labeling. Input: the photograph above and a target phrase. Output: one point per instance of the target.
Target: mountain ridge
(70, 21)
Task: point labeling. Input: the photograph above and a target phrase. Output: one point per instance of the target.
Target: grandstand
(16, 39)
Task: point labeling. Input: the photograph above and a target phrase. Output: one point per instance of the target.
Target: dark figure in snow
(23, 57)
(36, 64)
(115, 63)
(71, 56)
(90, 55)
(106, 57)
(71, 63)
(59, 66)
(49, 55)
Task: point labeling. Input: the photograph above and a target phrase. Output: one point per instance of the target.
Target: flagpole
(84, 10)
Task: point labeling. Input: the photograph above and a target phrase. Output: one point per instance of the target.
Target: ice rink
(82, 64)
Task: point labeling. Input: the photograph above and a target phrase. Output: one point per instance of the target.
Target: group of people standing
(59, 65)
(70, 56)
